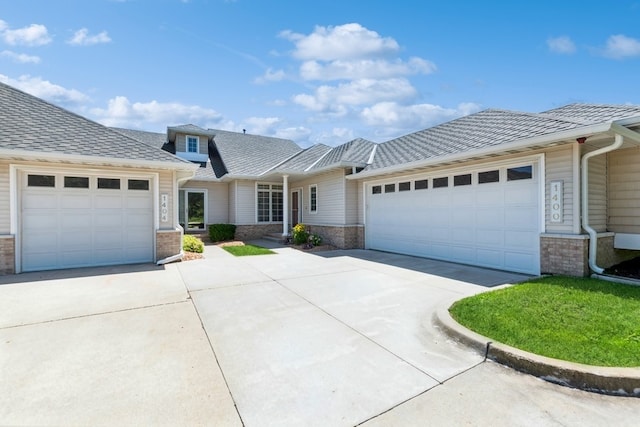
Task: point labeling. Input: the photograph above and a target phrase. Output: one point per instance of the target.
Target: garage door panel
(495, 224)
(65, 227)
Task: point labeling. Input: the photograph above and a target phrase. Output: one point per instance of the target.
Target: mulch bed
(629, 268)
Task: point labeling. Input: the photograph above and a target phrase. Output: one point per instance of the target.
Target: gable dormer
(191, 142)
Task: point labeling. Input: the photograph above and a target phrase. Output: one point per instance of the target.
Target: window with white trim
(269, 202)
(193, 143)
(313, 198)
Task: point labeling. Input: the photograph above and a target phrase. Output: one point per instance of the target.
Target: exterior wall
(232, 202)
(624, 191)
(352, 201)
(7, 254)
(5, 221)
(217, 200)
(564, 254)
(168, 243)
(597, 192)
(181, 143)
(559, 166)
(256, 231)
(343, 237)
(166, 186)
(608, 255)
(331, 198)
(246, 203)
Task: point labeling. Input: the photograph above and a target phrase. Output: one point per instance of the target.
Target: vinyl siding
(598, 193)
(559, 167)
(246, 203)
(624, 191)
(181, 143)
(5, 221)
(331, 198)
(352, 200)
(166, 186)
(232, 202)
(217, 200)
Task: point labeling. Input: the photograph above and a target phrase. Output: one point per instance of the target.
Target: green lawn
(246, 250)
(576, 319)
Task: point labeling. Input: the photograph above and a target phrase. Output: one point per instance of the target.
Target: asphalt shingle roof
(154, 139)
(483, 129)
(304, 159)
(593, 113)
(251, 155)
(355, 151)
(32, 124)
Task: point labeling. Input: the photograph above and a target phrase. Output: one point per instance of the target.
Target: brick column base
(7, 255)
(168, 243)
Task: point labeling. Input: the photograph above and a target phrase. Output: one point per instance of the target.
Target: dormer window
(192, 144)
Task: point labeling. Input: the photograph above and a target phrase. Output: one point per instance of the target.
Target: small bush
(192, 244)
(300, 234)
(315, 240)
(222, 232)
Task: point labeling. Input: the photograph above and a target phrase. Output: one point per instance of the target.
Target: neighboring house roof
(593, 113)
(37, 128)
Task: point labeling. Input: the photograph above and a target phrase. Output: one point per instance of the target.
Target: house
(552, 192)
(74, 193)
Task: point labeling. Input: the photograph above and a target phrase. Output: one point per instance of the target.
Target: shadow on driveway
(73, 273)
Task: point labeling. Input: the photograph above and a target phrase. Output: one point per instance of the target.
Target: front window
(192, 144)
(270, 203)
(313, 198)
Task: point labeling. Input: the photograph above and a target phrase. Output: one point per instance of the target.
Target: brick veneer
(343, 237)
(256, 231)
(7, 255)
(168, 243)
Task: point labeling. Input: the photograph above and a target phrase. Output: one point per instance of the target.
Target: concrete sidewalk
(288, 339)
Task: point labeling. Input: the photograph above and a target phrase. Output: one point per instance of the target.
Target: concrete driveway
(335, 339)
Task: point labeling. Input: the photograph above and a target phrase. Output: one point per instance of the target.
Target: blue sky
(317, 71)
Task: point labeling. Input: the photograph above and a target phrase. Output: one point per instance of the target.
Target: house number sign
(556, 198)
(164, 207)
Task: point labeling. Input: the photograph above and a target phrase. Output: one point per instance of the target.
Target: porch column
(285, 205)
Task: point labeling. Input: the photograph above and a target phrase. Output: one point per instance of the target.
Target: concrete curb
(612, 381)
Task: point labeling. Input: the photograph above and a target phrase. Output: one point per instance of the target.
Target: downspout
(177, 256)
(593, 234)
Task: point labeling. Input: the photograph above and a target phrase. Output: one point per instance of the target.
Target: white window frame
(270, 190)
(188, 190)
(311, 209)
(186, 142)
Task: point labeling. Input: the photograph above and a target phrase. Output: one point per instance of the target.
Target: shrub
(300, 234)
(192, 244)
(221, 232)
(315, 240)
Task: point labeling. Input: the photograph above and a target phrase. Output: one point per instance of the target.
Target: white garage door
(488, 217)
(77, 220)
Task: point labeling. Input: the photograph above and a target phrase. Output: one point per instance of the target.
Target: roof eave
(520, 144)
(82, 159)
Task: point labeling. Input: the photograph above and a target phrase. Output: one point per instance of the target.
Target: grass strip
(247, 250)
(582, 320)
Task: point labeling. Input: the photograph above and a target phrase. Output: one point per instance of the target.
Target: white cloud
(123, 113)
(562, 45)
(270, 76)
(82, 38)
(262, 125)
(364, 68)
(33, 35)
(45, 89)
(398, 119)
(21, 58)
(336, 99)
(348, 41)
(297, 134)
(620, 46)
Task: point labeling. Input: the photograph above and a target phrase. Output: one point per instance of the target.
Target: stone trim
(7, 255)
(168, 243)
(340, 236)
(256, 231)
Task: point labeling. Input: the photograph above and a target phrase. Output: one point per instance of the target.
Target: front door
(191, 207)
(295, 207)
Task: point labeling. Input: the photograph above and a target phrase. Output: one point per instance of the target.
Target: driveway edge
(598, 379)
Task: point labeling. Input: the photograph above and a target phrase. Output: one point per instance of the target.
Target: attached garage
(489, 217)
(77, 219)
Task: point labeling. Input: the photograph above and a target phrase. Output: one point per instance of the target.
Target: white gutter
(593, 234)
(171, 258)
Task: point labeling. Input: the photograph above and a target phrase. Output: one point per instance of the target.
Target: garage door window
(422, 184)
(76, 182)
(41, 181)
(138, 184)
(488, 177)
(109, 183)
(522, 172)
(390, 188)
(404, 186)
(459, 180)
(441, 182)
(376, 189)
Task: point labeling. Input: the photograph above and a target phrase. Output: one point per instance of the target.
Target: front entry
(295, 207)
(192, 209)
